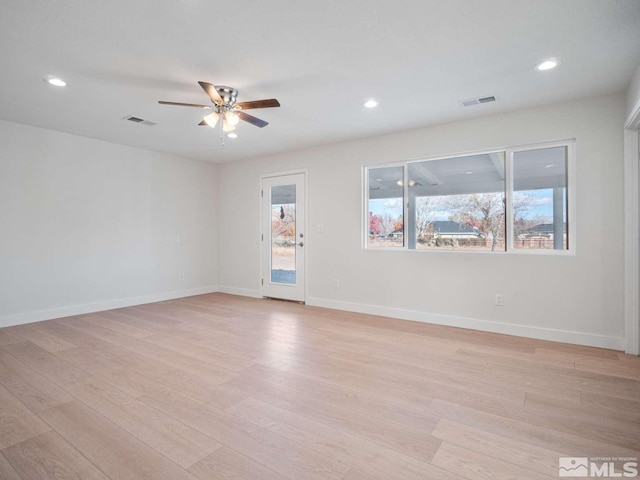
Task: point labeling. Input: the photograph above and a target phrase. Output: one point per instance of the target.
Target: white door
(283, 237)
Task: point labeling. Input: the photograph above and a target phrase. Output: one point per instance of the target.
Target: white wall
(87, 225)
(632, 253)
(577, 298)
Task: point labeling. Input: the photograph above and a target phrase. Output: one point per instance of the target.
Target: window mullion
(508, 186)
(409, 221)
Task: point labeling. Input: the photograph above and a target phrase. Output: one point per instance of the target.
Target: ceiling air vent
(139, 120)
(477, 101)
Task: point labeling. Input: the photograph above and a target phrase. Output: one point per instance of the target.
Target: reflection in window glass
(539, 206)
(385, 203)
(457, 203)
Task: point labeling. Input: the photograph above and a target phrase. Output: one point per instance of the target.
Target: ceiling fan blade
(212, 92)
(180, 104)
(252, 120)
(271, 102)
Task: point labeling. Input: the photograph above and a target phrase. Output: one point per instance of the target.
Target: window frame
(508, 195)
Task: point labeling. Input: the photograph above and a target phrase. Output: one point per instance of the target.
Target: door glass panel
(283, 234)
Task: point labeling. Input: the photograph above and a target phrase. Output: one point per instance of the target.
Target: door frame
(632, 232)
(263, 274)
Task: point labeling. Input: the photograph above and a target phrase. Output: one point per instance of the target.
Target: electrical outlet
(181, 277)
(177, 238)
(499, 300)
(335, 283)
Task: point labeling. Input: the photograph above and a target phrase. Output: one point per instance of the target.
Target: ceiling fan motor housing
(228, 94)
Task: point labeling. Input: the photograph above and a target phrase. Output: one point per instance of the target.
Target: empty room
(355, 240)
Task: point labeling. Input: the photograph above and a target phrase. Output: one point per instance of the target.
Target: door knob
(301, 244)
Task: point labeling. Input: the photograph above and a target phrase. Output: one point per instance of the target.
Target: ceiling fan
(225, 106)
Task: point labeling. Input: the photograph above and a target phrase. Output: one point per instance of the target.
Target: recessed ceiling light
(232, 135)
(468, 173)
(550, 165)
(55, 81)
(547, 65)
(371, 103)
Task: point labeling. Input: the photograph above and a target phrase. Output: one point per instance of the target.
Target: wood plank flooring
(224, 387)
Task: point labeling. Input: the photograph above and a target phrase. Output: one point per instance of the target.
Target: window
(385, 207)
(457, 203)
(466, 203)
(539, 206)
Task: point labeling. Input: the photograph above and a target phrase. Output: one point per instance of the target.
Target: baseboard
(243, 292)
(39, 315)
(564, 336)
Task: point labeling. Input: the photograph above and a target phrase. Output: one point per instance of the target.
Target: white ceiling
(321, 60)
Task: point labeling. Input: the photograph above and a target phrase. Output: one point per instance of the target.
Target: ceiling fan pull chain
(221, 129)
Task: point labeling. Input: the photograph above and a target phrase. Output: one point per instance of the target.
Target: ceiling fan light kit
(231, 118)
(211, 119)
(224, 100)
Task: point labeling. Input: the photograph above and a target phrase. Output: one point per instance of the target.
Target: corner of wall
(50, 314)
(633, 93)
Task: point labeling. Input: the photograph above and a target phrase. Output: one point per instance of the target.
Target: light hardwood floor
(225, 387)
